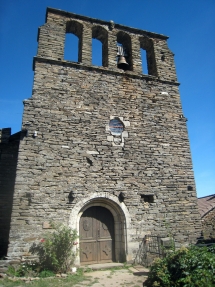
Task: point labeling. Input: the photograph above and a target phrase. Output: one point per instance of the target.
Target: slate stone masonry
(73, 153)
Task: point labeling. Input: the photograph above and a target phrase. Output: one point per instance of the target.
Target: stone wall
(74, 155)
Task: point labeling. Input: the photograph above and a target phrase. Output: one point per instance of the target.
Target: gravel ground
(132, 277)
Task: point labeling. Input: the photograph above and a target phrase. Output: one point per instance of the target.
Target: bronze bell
(122, 64)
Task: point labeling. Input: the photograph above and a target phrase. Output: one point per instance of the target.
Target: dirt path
(132, 277)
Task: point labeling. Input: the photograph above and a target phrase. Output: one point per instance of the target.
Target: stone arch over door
(122, 222)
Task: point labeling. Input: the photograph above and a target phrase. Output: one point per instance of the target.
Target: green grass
(82, 278)
(48, 282)
(113, 269)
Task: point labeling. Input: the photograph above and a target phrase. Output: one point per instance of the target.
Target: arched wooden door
(96, 231)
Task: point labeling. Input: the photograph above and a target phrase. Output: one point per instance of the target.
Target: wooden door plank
(96, 235)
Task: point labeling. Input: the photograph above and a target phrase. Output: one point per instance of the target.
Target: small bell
(122, 64)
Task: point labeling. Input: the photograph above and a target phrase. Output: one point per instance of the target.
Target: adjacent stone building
(207, 210)
(104, 149)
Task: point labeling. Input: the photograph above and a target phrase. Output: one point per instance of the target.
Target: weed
(113, 269)
(46, 273)
(24, 269)
(88, 269)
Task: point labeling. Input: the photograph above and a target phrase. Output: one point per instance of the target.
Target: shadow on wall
(9, 145)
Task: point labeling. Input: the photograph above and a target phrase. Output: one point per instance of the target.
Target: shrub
(23, 269)
(187, 267)
(46, 273)
(55, 250)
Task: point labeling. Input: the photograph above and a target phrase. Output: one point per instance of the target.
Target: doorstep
(102, 266)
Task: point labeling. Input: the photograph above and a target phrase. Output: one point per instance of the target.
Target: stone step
(102, 266)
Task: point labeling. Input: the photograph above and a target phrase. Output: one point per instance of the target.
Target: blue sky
(189, 24)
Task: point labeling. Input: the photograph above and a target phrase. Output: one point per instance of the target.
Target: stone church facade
(103, 149)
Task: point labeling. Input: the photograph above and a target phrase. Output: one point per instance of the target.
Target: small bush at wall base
(187, 267)
(46, 273)
(55, 250)
(23, 269)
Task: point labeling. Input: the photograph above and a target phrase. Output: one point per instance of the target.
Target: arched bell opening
(148, 56)
(75, 28)
(124, 51)
(101, 34)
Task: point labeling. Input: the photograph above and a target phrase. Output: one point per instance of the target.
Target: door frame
(122, 222)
